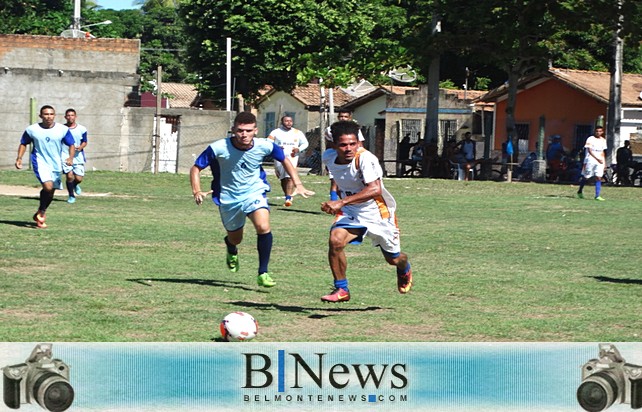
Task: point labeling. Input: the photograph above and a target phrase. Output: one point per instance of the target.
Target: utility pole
(614, 114)
(157, 118)
(76, 21)
(432, 106)
(322, 124)
(228, 76)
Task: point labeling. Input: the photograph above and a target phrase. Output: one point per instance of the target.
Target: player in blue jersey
(76, 171)
(238, 188)
(47, 138)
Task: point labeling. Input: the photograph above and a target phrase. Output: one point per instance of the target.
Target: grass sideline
(492, 262)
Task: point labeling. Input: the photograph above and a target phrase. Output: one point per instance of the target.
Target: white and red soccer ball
(239, 326)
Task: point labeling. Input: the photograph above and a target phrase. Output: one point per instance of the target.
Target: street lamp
(79, 34)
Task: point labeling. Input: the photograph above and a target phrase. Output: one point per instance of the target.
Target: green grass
(491, 262)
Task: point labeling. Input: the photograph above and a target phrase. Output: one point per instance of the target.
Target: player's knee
(336, 243)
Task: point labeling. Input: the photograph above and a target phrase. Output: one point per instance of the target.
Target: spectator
(554, 155)
(624, 159)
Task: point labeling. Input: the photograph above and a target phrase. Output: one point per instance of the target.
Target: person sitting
(624, 160)
(525, 170)
(554, 155)
(468, 148)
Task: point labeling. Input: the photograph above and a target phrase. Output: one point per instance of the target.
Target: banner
(253, 376)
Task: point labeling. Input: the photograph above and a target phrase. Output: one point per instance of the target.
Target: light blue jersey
(237, 174)
(80, 135)
(47, 146)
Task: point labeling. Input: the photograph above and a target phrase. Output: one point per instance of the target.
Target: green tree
(518, 36)
(282, 42)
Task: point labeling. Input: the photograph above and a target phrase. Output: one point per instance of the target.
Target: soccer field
(134, 259)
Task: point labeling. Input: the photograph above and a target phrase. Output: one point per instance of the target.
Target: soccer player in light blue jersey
(75, 172)
(47, 138)
(239, 186)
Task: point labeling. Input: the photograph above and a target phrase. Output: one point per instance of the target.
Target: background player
(594, 162)
(75, 172)
(293, 142)
(47, 138)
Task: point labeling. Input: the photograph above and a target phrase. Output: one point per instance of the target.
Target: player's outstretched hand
(300, 190)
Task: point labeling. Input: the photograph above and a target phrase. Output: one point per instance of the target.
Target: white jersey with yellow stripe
(351, 178)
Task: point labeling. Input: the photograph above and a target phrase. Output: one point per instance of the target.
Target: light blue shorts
(45, 174)
(233, 214)
(78, 169)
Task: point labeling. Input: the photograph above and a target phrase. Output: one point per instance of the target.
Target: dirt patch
(30, 191)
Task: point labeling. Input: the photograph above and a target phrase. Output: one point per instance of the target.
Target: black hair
(46, 107)
(343, 127)
(244, 118)
(70, 110)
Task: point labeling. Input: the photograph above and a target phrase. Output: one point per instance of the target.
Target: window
(412, 127)
(447, 129)
(523, 131)
(270, 122)
(582, 132)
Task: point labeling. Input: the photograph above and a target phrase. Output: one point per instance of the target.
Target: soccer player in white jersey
(594, 162)
(342, 115)
(365, 209)
(47, 138)
(239, 186)
(75, 172)
(293, 142)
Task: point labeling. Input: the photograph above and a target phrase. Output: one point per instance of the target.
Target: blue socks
(343, 284)
(598, 186)
(403, 271)
(264, 246)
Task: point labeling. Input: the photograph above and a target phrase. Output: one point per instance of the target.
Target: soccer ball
(239, 326)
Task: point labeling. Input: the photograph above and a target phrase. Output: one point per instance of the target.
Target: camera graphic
(609, 379)
(41, 379)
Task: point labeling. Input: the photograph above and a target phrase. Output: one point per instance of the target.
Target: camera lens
(53, 392)
(597, 392)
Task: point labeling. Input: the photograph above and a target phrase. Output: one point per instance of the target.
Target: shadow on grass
(301, 309)
(18, 223)
(293, 210)
(614, 280)
(200, 282)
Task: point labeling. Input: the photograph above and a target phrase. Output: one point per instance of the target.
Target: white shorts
(592, 169)
(383, 232)
(78, 169)
(280, 170)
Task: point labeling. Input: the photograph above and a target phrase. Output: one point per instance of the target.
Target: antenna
(403, 75)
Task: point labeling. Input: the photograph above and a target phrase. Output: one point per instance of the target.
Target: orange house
(570, 102)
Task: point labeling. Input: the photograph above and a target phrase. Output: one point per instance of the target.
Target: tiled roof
(380, 91)
(182, 95)
(310, 95)
(593, 83)
(466, 94)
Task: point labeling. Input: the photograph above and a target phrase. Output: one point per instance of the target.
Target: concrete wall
(97, 77)
(280, 102)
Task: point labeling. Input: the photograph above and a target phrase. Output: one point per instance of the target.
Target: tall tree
(280, 42)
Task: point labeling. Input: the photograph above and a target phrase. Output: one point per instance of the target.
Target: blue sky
(117, 4)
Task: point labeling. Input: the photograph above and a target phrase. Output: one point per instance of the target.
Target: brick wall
(60, 53)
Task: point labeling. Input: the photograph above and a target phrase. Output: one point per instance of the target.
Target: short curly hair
(343, 127)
